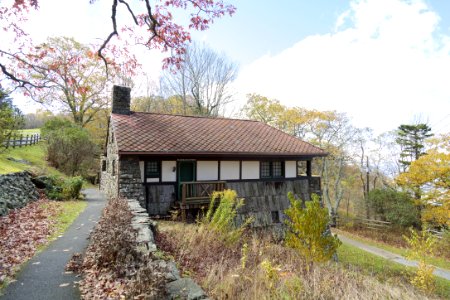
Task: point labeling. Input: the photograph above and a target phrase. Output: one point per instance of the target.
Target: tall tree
(411, 139)
(205, 78)
(149, 24)
(11, 117)
(75, 77)
(429, 176)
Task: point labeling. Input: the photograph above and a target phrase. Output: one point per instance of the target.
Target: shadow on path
(44, 277)
(390, 256)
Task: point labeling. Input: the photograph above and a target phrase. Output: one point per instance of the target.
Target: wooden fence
(363, 223)
(374, 225)
(21, 140)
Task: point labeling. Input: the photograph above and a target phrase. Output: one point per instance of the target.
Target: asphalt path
(443, 273)
(44, 277)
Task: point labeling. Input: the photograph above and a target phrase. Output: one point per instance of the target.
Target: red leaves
(22, 231)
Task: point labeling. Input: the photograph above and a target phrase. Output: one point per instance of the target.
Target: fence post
(26, 140)
(14, 141)
(20, 141)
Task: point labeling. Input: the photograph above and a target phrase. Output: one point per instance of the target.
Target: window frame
(157, 174)
(271, 169)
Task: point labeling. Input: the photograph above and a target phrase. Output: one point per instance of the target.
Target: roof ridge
(187, 116)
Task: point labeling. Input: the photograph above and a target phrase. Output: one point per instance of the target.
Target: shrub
(221, 219)
(308, 232)
(57, 188)
(394, 206)
(72, 187)
(69, 147)
(422, 244)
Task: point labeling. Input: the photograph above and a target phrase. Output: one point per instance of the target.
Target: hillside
(26, 158)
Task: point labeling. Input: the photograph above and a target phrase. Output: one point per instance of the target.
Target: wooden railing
(195, 194)
(21, 140)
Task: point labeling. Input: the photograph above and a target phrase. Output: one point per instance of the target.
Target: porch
(197, 194)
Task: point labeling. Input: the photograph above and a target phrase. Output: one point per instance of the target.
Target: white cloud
(384, 64)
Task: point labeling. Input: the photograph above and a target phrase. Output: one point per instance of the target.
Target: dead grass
(259, 268)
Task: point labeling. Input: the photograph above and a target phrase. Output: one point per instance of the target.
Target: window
(113, 171)
(103, 165)
(301, 168)
(265, 169)
(152, 169)
(272, 169)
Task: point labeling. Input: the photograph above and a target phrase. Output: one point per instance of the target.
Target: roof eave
(222, 154)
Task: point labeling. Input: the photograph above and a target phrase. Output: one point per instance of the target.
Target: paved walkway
(43, 277)
(390, 256)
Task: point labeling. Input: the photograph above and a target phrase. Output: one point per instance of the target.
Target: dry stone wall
(176, 287)
(16, 190)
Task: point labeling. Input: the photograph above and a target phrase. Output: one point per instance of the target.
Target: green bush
(72, 187)
(69, 147)
(394, 206)
(59, 189)
(308, 231)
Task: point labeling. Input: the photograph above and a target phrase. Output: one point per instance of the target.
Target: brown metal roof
(151, 133)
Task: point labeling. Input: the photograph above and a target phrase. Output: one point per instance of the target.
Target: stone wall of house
(130, 182)
(160, 198)
(266, 201)
(16, 190)
(108, 178)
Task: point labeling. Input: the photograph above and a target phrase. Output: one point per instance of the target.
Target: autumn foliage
(149, 24)
(112, 267)
(22, 231)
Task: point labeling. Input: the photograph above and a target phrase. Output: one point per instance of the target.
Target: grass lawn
(385, 270)
(35, 155)
(30, 131)
(69, 212)
(435, 261)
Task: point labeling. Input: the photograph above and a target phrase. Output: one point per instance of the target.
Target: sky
(383, 62)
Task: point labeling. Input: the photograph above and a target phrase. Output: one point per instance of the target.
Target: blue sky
(383, 62)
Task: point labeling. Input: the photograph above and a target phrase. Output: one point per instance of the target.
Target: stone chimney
(121, 100)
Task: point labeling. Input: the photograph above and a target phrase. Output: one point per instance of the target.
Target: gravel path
(44, 277)
(390, 256)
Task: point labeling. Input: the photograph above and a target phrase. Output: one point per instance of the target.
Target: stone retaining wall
(177, 287)
(16, 190)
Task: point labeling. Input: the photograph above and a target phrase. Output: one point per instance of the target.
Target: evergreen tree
(11, 118)
(411, 140)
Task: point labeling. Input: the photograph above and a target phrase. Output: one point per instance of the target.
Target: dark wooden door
(186, 173)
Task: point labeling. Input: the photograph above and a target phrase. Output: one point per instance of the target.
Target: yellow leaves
(306, 230)
(431, 174)
(422, 244)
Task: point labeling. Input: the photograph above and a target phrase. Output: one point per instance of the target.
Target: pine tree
(411, 139)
